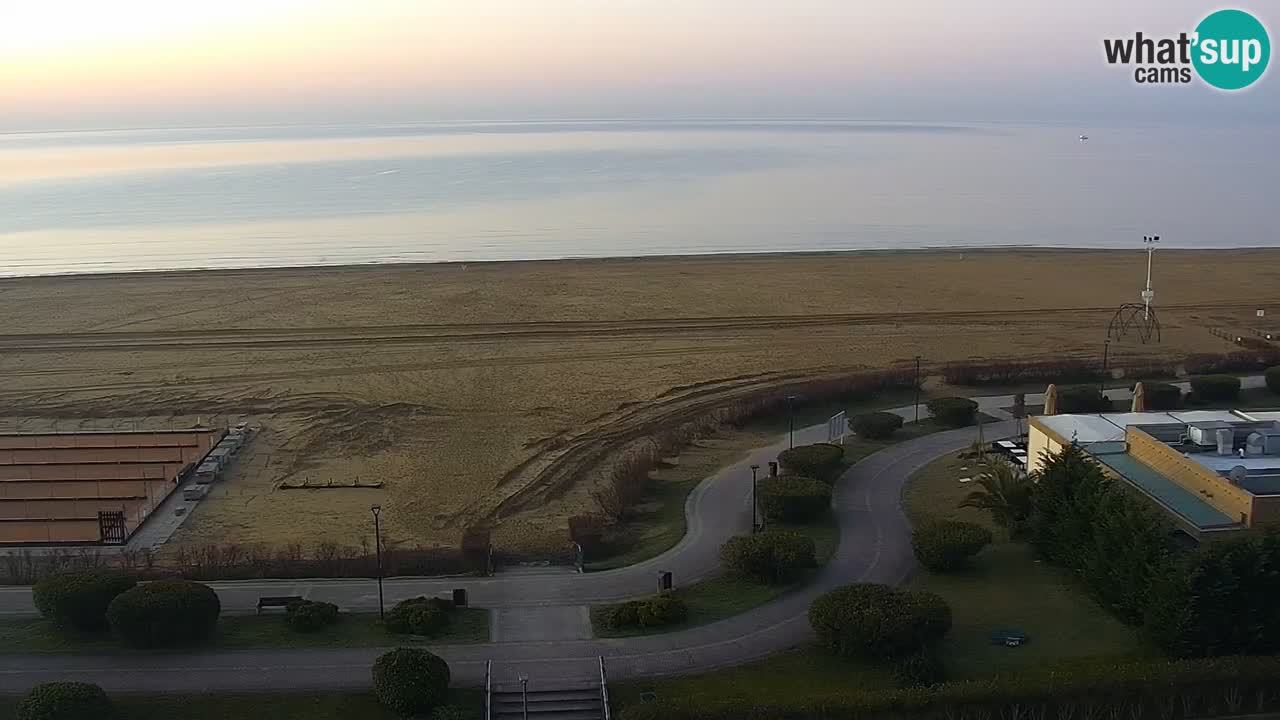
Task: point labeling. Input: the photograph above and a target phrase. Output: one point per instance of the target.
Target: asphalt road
(545, 608)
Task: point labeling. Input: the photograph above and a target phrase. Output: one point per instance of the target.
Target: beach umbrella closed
(1139, 398)
(1051, 400)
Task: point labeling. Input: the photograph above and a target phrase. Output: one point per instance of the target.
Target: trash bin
(460, 597)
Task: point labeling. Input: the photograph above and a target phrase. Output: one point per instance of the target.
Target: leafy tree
(1005, 492)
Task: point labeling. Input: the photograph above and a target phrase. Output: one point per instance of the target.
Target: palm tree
(1005, 493)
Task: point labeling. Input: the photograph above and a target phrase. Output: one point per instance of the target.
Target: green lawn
(240, 632)
(724, 596)
(260, 706)
(1008, 587)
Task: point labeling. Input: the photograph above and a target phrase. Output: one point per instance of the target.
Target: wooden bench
(283, 601)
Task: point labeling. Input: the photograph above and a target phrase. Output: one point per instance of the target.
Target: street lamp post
(791, 421)
(917, 403)
(377, 545)
(1106, 352)
(754, 469)
(524, 694)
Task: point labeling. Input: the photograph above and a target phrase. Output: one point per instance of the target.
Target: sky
(67, 64)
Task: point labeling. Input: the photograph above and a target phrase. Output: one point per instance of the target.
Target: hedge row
(877, 621)
(657, 611)
(423, 616)
(1080, 371)
(1082, 399)
(79, 599)
(795, 500)
(876, 425)
(1273, 379)
(1160, 690)
(165, 613)
(1215, 388)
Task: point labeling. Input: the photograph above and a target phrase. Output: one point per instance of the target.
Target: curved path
(874, 547)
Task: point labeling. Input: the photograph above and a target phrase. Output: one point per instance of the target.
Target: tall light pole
(1148, 294)
(917, 389)
(754, 469)
(377, 545)
(791, 421)
(524, 694)
(1106, 352)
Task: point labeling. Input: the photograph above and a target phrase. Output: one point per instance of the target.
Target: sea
(309, 195)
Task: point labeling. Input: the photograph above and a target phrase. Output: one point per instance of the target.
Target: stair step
(555, 715)
(590, 694)
(548, 705)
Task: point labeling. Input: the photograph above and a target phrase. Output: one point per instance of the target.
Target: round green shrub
(1082, 399)
(919, 670)
(1162, 396)
(1272, 376)
(953, 411)
(947, 545)
(876, 425)
(793, 499)
(410, 681)
(820, 460)
(771, 557)
(79, 599)
(876, 621)
(66, 701)
(1215, 388)
(419, 616)
(165, 613)
(662, 610)
(310, 616)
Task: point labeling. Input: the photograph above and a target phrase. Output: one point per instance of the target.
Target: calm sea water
(287, 196)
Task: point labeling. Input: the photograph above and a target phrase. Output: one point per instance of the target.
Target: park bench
(272, 601)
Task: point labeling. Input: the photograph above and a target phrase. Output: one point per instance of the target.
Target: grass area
(242, 632)
(725, 596)
(1008, 587)
(806, 673)
(267, 706)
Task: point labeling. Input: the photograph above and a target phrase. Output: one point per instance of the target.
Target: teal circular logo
(1231, 49)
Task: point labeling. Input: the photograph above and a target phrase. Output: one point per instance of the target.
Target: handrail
(488, 690)
(604, 689)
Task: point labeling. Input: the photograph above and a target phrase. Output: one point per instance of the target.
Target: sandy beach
(458, 385)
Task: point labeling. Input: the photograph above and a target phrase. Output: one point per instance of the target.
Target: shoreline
(394, 266)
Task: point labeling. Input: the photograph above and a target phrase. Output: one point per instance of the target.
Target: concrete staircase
(548, 701)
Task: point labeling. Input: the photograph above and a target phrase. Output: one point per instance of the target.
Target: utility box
(460, 597)
(666, 582)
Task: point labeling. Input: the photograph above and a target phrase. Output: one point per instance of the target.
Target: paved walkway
(538, 618)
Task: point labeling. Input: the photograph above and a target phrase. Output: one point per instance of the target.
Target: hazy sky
(93, 63)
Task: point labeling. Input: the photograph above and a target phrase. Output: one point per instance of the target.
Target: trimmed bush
(662, 610)
(79, 599)
(946, 545)
(793, 499)
(1162, 396)
(1082, 399)
(770, 557)
(1273, 379)
(919, 670)
(451, 712)
(876, 621)
(310, 616)
(419, 616)
(623, 615)
(820, 460)
(165, 613)
(876, 425)
(410, 681)
(66, 701)
(1215, 388)
(953, 411)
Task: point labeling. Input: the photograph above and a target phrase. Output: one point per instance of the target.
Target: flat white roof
(1190, 416)
(1083, 428)
(1224, 463)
